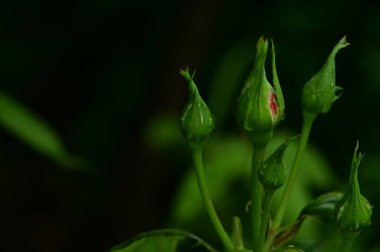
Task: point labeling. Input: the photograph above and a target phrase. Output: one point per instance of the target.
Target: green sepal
(237, 236)
(197, 122)
(319, 93)
(353, 212)
(277, 87)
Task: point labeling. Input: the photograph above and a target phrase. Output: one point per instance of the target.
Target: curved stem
(259, 142)
(308, 119)
(265, 218)
(198, 163)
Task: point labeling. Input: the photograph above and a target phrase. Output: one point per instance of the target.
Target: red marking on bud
(273, 103)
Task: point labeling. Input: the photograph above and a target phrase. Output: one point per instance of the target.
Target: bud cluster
(260, 109)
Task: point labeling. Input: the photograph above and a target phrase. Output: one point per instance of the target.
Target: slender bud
(197, 121)
(272, 172)
(353, 212)
(260, 106)
(319, 93)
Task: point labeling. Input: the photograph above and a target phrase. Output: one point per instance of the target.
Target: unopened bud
(319, 93)
(272, 172)
(353, 212)
(197, 121)
(260, 106)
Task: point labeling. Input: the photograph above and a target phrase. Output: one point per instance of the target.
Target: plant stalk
(268, 194)
(202, 185)
(259, 142)
(308, 119)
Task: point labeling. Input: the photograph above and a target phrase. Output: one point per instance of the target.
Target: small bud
(260, 107)
(272, 172)
(319, 93)
(353, 212)
(197, 121)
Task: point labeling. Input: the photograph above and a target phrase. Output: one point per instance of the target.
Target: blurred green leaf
(166, 240)
(230, 73)
(163, 133)
(33, 131)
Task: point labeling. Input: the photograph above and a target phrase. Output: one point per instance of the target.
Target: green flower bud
(260, 107)
(197, 121)
(353, 212)
(319, 93)
(272, 172)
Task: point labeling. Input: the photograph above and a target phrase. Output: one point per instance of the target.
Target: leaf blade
(163, 240)
(33, 131)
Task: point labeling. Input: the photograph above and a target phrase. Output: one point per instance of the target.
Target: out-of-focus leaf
(166, 240)
(162, 132)
(33, 131)
(230, 73)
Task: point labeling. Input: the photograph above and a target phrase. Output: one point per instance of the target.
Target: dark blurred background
(104, 75)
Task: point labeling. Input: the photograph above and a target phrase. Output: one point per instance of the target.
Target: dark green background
(99, 71)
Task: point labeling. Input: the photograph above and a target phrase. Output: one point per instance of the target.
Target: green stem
(259, 142)
(265, 218)
(198, 163)
(348, 240)
(308, 119)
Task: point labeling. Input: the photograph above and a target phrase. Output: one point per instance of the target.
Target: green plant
(260, 109)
